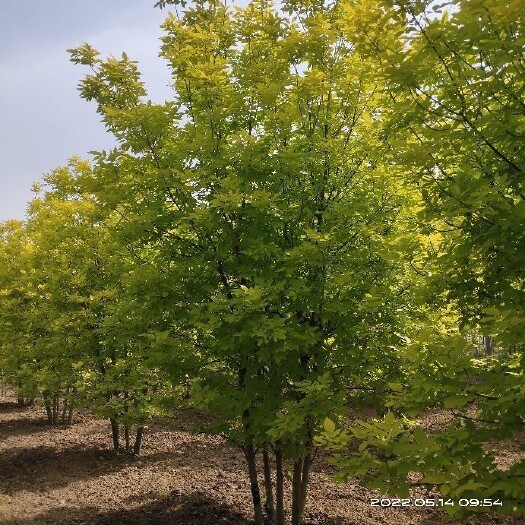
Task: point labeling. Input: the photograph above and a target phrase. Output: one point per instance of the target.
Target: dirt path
(69, 476)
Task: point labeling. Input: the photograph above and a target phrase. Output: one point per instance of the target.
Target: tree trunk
(249, 452)
(54, 410)
(64, 412)
(70, 415)
(268, 488)
(307, 462)
(70, 407)
(47, 404)
(296, 491)
(279, 489)
(126, 437)
(115, 434)
(488, 341)
(138, 441)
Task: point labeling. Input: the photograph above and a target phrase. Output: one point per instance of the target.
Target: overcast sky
(43, 119)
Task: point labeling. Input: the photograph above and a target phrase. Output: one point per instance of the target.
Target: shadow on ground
(174, 509)
(45, 468)
(23, 426)
(9, 406)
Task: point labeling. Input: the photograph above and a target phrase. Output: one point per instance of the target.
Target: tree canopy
(325, 216)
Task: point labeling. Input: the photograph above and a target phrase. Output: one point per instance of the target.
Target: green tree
(68, 331)
(16, 296)
(90, 328)
(456, 80)
(260, 196)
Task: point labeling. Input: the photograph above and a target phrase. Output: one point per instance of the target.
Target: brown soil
(70, 476)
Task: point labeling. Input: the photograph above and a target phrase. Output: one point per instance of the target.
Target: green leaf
(329, 425)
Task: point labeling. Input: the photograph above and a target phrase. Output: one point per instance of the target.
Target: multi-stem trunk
(126, 425)
(70, 415)
(279, 485)
(65, 405)
(301, 475)
(69, 418)
(305, 477)
(296, 491)
(54, 409)
(138, 441)
(249, 453)
(47, 405)
(126, 438)
(269, 506)
(115, 434)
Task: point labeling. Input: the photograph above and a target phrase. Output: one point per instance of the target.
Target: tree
(93, 329)
(457, 82)
(69, 330)
(16, 298)
(465, 78)
(260, 197)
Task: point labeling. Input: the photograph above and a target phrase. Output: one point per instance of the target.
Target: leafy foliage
(326, 213)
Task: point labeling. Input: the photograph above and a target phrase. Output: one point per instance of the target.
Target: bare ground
(70, 476)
